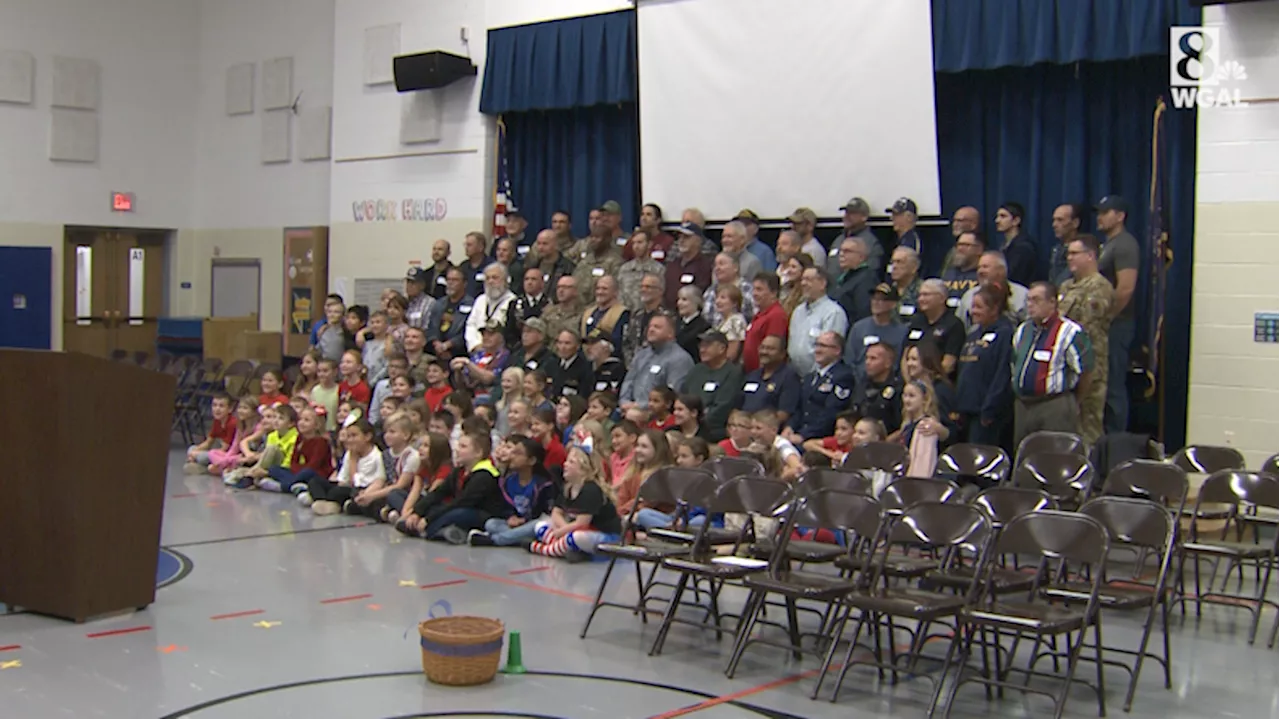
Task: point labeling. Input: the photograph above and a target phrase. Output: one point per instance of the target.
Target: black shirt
(577, 378)
(879, 400)
(687, 334)
(591, 500)
(1024, 265)
(780, 391)
(609, 375)
(947, 333)
(541, 359)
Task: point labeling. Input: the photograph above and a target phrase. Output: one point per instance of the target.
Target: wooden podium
(86, 446)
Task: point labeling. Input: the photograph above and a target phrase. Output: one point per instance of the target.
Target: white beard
(493, 295)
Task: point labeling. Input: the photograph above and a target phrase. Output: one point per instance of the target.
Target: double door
(113, 290)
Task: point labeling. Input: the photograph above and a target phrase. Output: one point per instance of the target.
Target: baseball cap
(902, 204)
(858, 205)
(713, 336)
(595, 335)
(416, 274)
(514, 213)
(748, 215)
(612, 207)
(886, 290)
(803, 214)
(1112, 202)
(690, 228)
(536, 323)
(494, 325)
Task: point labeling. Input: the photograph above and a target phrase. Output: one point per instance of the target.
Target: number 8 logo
(1194, 46)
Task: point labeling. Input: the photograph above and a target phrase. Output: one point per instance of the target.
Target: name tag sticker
(834, 251)
(600, 386)
(906, 310)
(597, 271)
(870, 340)
(1041, 355)
(658, 255)
(464, 308)
(622, 241)
(709, 387)
(655, 368)
(440, 280)
(915, 334)
(953, 302)
(751, 387)
(522, 250)
(989, 337)
(815, 331)
(479, 277)
(686, 279)
(531, 364)
(591, 320)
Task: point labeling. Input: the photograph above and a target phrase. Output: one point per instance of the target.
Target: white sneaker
(326, 508)
(305, 499)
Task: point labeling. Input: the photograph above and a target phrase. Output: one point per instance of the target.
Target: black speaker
(429, 70)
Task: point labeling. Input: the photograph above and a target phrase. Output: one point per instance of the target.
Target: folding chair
(952, 531)
(1000, 505)
(727, 468)
(678, 486)
(807, 551)
(895, 499)
(1235, 489)
(888, 457)
(1137, 524)
(1058, 540)
(1067, 477)
(975, 464)
(1207, 458)
(754, 497)
(832, 509)
(1047, 441)
(237, 377)
(1271, 466)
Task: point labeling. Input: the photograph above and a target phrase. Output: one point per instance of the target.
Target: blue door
(26, 297)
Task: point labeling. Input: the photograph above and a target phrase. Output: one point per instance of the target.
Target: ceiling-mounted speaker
(430, 70)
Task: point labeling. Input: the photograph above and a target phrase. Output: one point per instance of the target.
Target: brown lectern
(82, 472)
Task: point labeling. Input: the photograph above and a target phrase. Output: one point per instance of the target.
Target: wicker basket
(461, 651)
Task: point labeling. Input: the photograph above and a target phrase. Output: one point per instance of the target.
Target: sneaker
(304, 498)
(453, 534)
(299, 489)
(325, 508)
(479, 538)
(244, 483)
(350, 507)
(269, 485)
(230, 479)
(192, 468)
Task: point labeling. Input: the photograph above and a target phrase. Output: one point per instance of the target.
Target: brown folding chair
(1207, 458)
(1001, 505)
(238, 375)
(888, 457)
(727, 468)
(1059, 540)
(1067, 477)
(977, 464)
(1272, 466)
(1047, 441)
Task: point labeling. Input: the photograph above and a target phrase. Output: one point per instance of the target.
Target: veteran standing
(1087, 299)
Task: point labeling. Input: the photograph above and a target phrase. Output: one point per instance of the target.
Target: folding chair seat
(895, 499)
(977, 464)
(1067, 477)
(1048, 441)
(808, 551)
(1059, 540)
(951, 531)
(845, 513)
(888, 457)
(1000, 504)
(1207, 458)
(678, 486)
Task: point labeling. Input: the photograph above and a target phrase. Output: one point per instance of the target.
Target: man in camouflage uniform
(1086, 298)
(566, 312)
(596, 255)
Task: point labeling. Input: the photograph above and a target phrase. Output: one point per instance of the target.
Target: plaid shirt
(1049, 358)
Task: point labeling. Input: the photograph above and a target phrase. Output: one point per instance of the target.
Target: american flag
(503, 201)
(1161, 254)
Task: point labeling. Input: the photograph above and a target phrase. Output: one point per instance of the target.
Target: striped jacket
(1049, 358)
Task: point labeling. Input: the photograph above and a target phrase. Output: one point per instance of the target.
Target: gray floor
(298, 655)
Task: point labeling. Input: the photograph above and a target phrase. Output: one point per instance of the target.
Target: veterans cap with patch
(902, 204)
(536, 323)
(416, 274)
(747, 214)
(886, 290)
(858, 205)
(1112, 202)
(690, 228)
(494, 325)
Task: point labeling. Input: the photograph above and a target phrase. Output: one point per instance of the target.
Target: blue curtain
(579, 62)
(574, 160)
(1051, 134)
(991, 34)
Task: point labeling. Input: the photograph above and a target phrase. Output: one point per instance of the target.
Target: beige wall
(193, 252)
(367, 250)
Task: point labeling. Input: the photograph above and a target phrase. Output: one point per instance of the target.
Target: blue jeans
(464, 518)
(507, 536)
(287, 479)
(1119, 341)
(396, 499)
(652, 519)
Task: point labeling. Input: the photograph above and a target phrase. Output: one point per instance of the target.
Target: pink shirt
(618, 464)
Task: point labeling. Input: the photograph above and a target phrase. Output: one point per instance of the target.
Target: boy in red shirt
(661, 402)
(222, 434)
(353, 387)
(438, 388)
(838, 445)
(739, 434)
(544, 431)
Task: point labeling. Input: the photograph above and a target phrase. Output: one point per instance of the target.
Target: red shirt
(679, 273)
(666, 424)
(772, 322)
(271, 400)
(434, 396)
(441, 472)
(313, 453)
(555, 453)
(358, 392)
(730, 449)
(225, 430)
(830, 444)
(659, 247)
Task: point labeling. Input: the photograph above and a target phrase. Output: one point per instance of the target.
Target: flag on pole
(1161, 254)
(503, 201)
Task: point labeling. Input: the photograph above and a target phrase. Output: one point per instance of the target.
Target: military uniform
(824, 394)
(560, 317)
(879, 400)
(591, 266)
(1088, 302)
(609, 375)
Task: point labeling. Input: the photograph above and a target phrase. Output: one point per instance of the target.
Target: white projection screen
(776, 105)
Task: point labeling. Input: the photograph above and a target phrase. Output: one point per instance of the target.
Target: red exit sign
(122, 202)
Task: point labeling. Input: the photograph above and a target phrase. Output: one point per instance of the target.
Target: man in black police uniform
(533, 352)
(774, 384)
(879, 394)
(824, 393)
(935, 321)
(609, 371)
(531, 299)
(570, 372)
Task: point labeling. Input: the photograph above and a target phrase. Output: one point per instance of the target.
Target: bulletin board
(306, 283)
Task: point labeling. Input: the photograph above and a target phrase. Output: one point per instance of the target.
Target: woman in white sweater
(361, 466)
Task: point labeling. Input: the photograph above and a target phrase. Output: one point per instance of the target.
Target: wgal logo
(1197, 75)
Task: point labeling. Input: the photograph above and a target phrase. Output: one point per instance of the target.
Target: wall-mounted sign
(122, 202)
(409, 210)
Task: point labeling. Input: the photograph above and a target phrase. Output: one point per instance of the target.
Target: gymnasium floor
(284, 614)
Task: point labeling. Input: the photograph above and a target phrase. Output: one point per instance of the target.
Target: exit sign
(122, 202)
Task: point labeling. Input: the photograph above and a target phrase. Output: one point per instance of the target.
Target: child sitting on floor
(435, 460)
(248, 424)
(270, 384)
(528, 492)
(312, 457)
(282, 421)
(353, 386)
(584, 515)
(466, 498)
(397, 366)
(361, 467)
(222, 436)
(543, 427)
(662, 402)
(397, 433)
(623, 440)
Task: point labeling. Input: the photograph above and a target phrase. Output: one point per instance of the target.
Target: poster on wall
(300, 310)
(306, 271)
